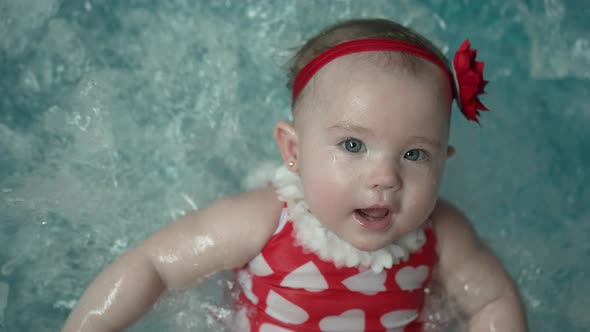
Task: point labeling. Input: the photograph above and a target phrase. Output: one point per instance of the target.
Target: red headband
(467, 75)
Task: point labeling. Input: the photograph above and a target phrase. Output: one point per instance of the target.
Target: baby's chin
(375, 240)
(371, 244)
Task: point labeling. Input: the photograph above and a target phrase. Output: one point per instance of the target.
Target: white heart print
(283, 310)
(308, 277)
(410, 278)
(348, 321)
(367, 282)
(398, 319)
(260, 267)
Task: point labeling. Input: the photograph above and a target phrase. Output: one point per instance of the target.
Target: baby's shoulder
(241, 224)
(261, 202)
(450, 222)
(257, 208)
(455, 234)
(446, 211)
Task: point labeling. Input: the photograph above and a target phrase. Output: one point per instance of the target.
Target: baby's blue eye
(353, 145)
(415, 155)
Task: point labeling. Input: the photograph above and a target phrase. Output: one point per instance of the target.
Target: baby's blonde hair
(359, 29)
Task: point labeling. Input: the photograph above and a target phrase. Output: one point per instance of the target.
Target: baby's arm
(223, 236)
(474, 277)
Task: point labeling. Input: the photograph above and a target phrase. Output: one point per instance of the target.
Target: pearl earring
(291, 164)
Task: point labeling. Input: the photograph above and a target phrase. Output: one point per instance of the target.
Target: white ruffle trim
(312, 235)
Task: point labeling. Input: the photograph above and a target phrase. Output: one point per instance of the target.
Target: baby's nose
(385, 176)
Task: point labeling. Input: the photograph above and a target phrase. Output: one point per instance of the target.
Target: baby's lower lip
(373, 224)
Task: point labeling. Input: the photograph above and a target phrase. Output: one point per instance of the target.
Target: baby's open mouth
(374, 219)
(373, 214)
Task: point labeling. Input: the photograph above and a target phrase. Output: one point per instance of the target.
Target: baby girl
(351, 230)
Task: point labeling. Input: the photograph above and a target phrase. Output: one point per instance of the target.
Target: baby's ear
(450, 151)
(286, 137)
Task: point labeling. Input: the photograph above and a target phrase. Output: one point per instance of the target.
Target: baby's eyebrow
(351, 127)
(426, 140)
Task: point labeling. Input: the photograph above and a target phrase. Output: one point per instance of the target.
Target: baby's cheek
(319, 189)
(322, 191)
(423, 202)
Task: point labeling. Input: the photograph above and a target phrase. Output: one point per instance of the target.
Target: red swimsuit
(287, 288)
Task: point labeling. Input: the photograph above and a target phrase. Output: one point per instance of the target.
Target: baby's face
(372, 145)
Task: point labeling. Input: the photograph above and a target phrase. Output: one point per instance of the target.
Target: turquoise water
(116, 117)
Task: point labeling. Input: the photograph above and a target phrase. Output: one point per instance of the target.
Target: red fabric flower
(469, 81)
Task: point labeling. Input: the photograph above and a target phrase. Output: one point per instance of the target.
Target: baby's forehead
(351, 72)
(359, 68)
(340, 80)
(358, 71)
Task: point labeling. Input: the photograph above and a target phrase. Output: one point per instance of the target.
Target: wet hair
(359, 29)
